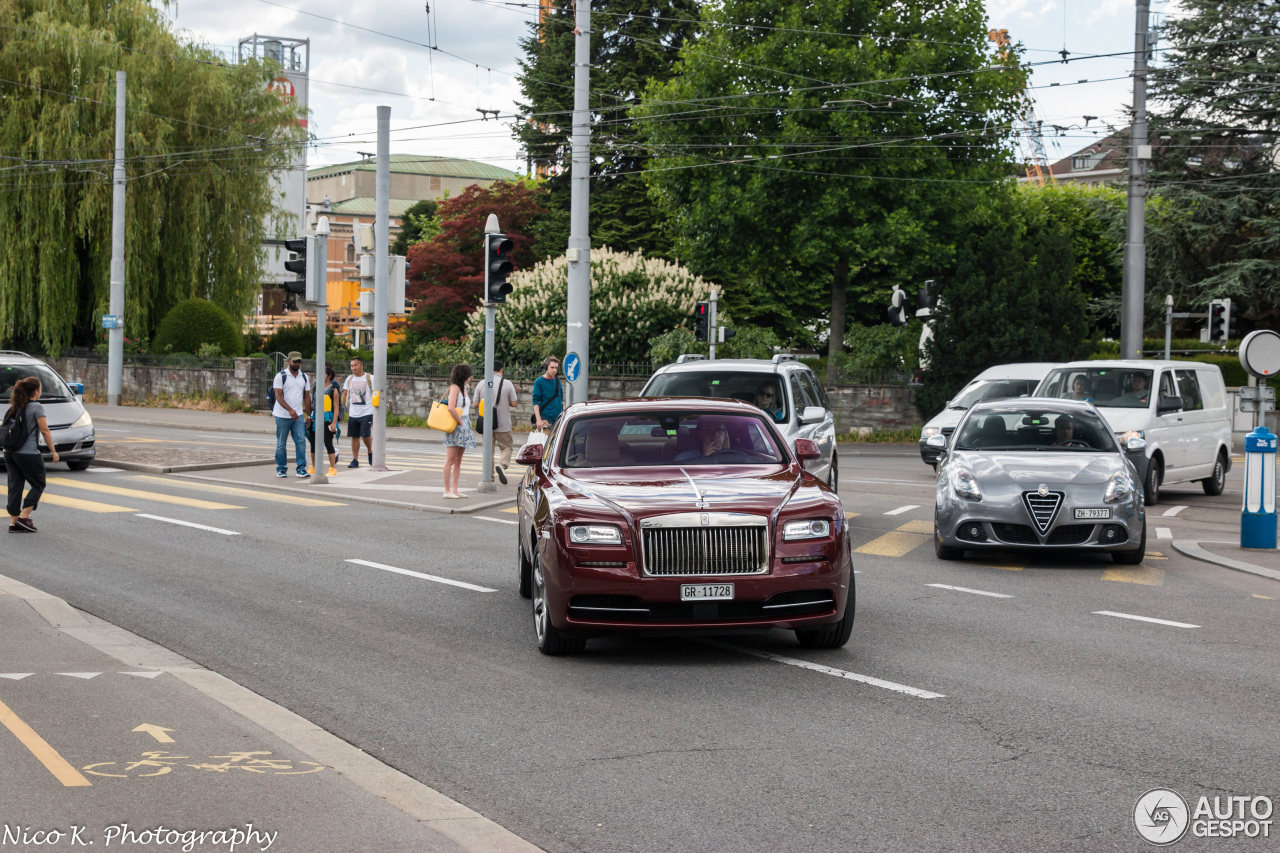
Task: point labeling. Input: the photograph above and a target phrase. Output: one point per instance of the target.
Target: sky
(381, 46)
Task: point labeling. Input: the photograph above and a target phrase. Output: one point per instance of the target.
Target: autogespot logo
(1161, 816)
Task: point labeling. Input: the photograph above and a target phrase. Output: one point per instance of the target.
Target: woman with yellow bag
(461, 437)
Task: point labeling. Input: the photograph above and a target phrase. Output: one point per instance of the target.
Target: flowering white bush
(633, 299)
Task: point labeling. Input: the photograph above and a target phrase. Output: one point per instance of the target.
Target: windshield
(1110, 387)
(758, 389)
(992, 389)
(1036, 430)
(51, 386)
(669, 438)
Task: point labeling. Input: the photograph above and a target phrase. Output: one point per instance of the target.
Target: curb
(144, 468)
(466, 828)
(107, 419)
(357, 498)
(1192, 549)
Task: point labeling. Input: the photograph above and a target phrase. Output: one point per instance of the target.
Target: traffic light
(701, 319)
(300, 247)
(497, 267)
(725, 333)
(1219, 321)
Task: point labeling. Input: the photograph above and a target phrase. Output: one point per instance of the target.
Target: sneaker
(502, 475)
(355, 463)
(15, 527)
(303, 474)
(282, 474)
(311, 469)
(27, 524)
(370, 458)
(333, 472)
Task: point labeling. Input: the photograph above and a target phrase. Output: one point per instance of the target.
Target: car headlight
(595, 534)
(1119, 488)
(83, 421)
(964, 485)
(813, 529)
(929, 431)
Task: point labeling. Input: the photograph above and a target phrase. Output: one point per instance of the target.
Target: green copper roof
(365, 206)
(420, 164)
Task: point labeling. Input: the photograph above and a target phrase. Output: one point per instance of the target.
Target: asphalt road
(1053, 718)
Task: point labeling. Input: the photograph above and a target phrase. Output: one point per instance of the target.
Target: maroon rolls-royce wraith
(685, 515)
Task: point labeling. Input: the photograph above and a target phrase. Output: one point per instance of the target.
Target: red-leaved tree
(446, 273)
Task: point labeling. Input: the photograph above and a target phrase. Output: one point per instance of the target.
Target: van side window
(1166, 385)
(1192, 400)
(1210, 389)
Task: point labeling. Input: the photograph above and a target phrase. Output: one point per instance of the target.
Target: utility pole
(578, 335)
(319, 476)
(381, 249)
(1135, 250)
(115, 327)
(711, 326)
(490, 316)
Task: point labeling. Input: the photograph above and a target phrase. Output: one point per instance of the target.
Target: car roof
(1018, 404)
(1024, 370)
(1133, 363)
(746, 365)
(724, 405)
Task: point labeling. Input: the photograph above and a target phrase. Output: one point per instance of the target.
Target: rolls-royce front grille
(1043, 508)
(684, 551)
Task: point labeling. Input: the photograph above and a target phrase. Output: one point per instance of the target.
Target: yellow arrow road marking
(47, 755)
(271, 497)
(157, 732)
(140, 495)
(510, 509)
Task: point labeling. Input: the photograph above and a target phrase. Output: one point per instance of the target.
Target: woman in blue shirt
(548, 402)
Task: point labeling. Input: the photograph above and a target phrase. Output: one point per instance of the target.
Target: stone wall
(856, 407)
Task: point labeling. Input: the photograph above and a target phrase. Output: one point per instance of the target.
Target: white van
(995, 383)
(1178, 407)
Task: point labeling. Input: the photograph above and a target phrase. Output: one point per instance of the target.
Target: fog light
(972, 532)
(1113, 534)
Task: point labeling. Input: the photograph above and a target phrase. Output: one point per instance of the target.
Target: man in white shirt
(293, 400)
(504, 400)
(357, 394)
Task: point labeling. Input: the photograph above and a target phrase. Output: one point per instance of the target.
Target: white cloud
(1107, 9)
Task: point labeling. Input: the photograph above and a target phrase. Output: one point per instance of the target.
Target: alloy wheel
(539, 603)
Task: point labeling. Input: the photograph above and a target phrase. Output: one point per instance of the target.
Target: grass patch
(901, 436)
(394, 420)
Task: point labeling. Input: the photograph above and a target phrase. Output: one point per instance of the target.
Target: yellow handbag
(439, 417)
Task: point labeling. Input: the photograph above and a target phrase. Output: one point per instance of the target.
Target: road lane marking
(1154, 555)
(188, 524)
(895, 544)
(424, 577)
(151, 674)
(85, 506)
(84, 675)
(829, 670)
(1144, 619)
(499, 520)
(160, 733)
(917, 526)
(1172, 511)
(1138, 574)
(47, 755)
(852, 514)
(1267, 597)
(139, 495)
(966, 589)
(102, 469)
(510, 509)
(270, 497)
(900, 510)
(1164, 533)
(18, 676)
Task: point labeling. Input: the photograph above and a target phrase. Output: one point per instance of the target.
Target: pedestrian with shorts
(25, 421)
(334, 392)
(548, 402)
(357, 396)
(462, 438)
(504, 400)
(293, 398)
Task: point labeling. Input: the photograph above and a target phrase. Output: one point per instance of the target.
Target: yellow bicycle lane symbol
(158, 763)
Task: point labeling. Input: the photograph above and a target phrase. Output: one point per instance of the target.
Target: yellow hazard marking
(1007, 564)
(47, 755)
(139, 495)
(895, 544)
(270, 497)
(1155, 555)
(1138, 574)
(852, 514)
(918, 526)
(510, 509)
(1267, 597)
(86, 506)
(157, 732)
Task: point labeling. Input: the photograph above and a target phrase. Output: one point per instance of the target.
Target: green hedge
(194, 323)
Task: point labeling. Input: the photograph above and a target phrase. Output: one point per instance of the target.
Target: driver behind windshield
(767, 399)
(712, 437)
(1064, 433)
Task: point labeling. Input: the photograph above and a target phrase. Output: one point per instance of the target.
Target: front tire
(1151, 488)
(524, 571)
(1134, 557)
(1215, 484)
(833, 476)
(79, 464)
(944, 552)
(550, 640)
(836, 634)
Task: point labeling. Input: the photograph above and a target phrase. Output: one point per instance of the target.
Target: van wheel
(1151, 488)
(1215, 484)
(833, 476)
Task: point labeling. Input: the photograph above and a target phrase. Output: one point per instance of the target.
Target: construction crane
(1027, 128)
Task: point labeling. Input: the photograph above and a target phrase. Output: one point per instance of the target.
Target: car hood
(62, 414)
(1028, 470)
(752, 489)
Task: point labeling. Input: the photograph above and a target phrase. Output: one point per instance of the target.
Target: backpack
(14, 431)
(271, 389)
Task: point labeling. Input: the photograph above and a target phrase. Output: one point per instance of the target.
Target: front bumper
(73, 444)
(1007, 524)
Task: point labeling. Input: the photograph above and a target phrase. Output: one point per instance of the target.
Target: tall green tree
(1213, 227)
(810, 154)
(419, 216)
(633, 42)
(202, 138)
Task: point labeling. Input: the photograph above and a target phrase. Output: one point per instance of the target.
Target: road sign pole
(115, 335)
(578, 334)
(490, 316)
(319, 476)
(381, 249)
(1133, 292)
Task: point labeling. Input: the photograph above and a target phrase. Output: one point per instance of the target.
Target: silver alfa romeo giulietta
(1041, 474)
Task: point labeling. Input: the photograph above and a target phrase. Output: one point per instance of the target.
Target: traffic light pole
(1133, 293)
(115, 334)
(578, 333)
(711, 326)
(319, 476)
(490, 317)
(382, 202)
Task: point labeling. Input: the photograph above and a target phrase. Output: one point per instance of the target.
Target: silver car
(69, 423)
(1041, 474)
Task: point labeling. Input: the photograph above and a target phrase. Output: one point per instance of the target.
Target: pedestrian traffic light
(300, 247)
(701, 320)
(497, 267)
(1219, 321)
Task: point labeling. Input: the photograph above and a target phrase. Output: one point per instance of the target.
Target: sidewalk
(108, 733)
(1228, 554)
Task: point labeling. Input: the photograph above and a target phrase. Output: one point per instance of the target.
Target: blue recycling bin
(1258, 517)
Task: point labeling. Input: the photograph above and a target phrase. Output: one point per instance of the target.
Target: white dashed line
(499, 520)
(966, 589)
(900, 510)
(1172, 511)
(398, 571)
(830, 670)
(1145, 619)
(1164, 533)
(188, 524)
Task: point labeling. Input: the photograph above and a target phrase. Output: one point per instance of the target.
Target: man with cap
(293, 400)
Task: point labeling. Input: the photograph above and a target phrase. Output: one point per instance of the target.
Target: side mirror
(1135, 445)
(807, 449)
(77, 388)
(936, 442)
(530, 454)
(812, 415)
(1168, 404)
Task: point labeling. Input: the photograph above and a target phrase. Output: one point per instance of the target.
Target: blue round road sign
(572, 364)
